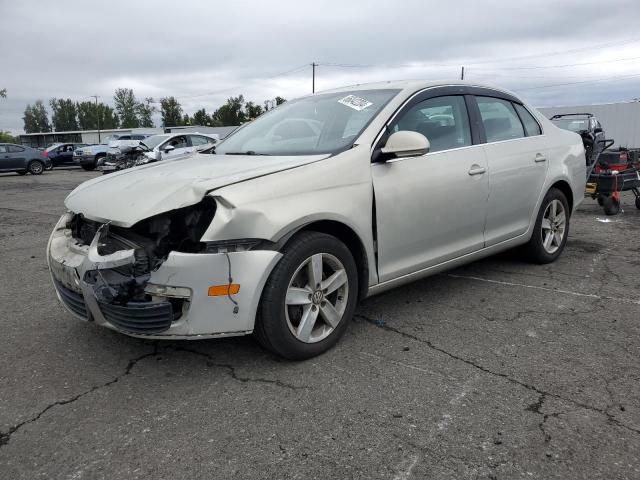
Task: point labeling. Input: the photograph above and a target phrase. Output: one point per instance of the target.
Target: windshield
(572, 124)
(154, 141)
(325, 123)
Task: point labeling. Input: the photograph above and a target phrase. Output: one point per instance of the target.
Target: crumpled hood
(131, 195)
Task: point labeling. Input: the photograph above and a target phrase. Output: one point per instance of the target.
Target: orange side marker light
(223, 290)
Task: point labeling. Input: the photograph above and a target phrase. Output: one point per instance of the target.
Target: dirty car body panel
(139, 249)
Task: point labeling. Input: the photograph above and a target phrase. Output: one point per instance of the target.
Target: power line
(620, 77)
(215, 92)
(537, 67)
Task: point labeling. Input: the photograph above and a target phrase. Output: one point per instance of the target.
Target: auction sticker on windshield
(354, 102)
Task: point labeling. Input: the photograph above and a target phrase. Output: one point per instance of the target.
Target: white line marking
(546, 289)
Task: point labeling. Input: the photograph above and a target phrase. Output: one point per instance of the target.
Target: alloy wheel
(554, 224)
(316, 298)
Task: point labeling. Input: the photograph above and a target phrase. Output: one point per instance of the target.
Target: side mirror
(597, 130)
(406, 143)
(168, 148)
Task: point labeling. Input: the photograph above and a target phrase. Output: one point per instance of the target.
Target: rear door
(5, 158)
(200, 142)
(431, 208)
(516, 153)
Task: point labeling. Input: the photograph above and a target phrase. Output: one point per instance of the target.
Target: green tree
(3, 93)
(280, 100)
(186, 120)
(64, 114)
(171, 112)
(146, 109)
(36, 118)
(92, 116)
(127, 107)
(6, 137)
(232, 112)
(252, 110)
(201, 118)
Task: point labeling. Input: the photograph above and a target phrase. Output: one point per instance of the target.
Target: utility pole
(462, 73)
(97, 117)
(313, 77)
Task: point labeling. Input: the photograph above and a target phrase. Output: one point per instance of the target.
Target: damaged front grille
(151, 240)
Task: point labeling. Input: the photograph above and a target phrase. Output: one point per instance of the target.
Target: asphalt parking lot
(498, 370)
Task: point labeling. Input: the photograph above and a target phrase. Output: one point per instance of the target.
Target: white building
(621, 121)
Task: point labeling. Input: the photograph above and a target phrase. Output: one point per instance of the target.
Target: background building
(95, 136)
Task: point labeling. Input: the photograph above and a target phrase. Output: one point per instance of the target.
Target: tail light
(45, 154)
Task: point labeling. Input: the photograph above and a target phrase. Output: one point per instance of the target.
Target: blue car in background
(62, 153)
(22, 159)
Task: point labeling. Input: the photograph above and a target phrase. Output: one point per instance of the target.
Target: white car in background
(169, 146)
(173, 146)
(314, 205)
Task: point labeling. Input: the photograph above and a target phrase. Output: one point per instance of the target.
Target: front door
(431, 208)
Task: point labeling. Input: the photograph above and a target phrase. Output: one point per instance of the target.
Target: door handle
(477, 170)
(540, 158)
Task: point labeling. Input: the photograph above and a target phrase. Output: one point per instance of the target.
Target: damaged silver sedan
(313, 206)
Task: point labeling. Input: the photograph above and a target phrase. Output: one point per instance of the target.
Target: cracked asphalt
(497, 370)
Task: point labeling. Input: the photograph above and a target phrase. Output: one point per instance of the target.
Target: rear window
(500, 119)
(531, 127)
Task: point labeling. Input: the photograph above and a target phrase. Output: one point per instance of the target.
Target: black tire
(535, 250)
(272, 328)
(638, 203)
(600, 201)
(90, 166)
(611, 206)
(35, 167)
(22, 172)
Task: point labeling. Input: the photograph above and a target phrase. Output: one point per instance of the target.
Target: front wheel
(551, 228)
(309, 298)
(611, 206)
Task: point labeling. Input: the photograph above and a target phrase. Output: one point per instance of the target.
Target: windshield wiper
(248, 152)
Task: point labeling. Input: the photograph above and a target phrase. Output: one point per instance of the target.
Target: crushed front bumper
(178, 305)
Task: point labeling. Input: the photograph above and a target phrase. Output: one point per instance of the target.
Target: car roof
(415, 85)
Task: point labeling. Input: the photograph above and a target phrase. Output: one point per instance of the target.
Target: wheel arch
(346, 235)
(565, 188)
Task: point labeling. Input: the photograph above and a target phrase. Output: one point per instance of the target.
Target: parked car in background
(22, 159)
(170, 146)
(588, 127)
(62, 154)
(322, 201)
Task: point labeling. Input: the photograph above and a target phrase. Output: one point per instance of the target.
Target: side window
(197, 140)
(443, 120)
(531, 127)
(178, 142)
(15, 149)
(499, 119)
(3, 149)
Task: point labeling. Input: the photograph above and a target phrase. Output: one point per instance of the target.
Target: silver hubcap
(554, 224)
(36, 168)
(316, 298)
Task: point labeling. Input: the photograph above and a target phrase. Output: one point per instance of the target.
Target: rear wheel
(551, 228)
(611, 206)
(638, 203)
(309, 298)
(36, 167)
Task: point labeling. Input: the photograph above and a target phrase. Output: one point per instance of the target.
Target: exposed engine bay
(151, 241)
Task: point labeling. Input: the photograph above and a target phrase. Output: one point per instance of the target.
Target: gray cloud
(203, 52)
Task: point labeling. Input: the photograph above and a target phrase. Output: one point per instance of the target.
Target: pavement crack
(233, 373)
(5, 437)
(610, 417)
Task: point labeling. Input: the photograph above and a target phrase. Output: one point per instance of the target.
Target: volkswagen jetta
(314, 205)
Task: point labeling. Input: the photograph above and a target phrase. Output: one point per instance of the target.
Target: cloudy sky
(550, 52)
